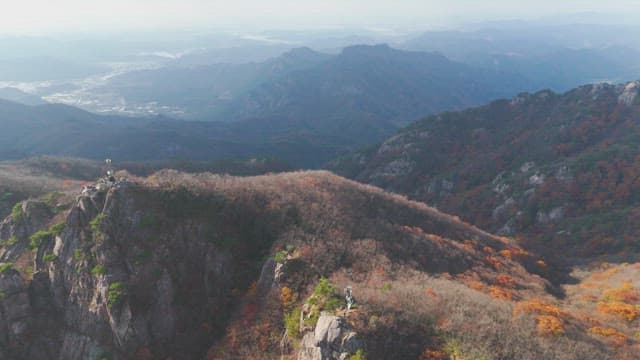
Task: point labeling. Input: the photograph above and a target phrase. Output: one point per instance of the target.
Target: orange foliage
(549, 325)
(625, 311)
(505, 281)
(616, 337)
(586, 319)
(626, 293)
(513, 253)
(475, 285)
(488, 249)
(537, 307)
(431, 292)
(500, 293)
(287, 297)
(507, 254)
(469, 245)
(494, 262)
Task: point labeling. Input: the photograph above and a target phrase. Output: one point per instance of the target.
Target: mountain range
(363, 83)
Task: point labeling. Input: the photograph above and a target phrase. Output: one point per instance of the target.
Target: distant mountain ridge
(555, 57)
(16, 95)
(560, 170)
(303, 107)
(362, 82)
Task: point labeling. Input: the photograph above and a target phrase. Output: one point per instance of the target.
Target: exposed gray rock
(331, 339)
(554, 215)
(527, 166)
(170, 280)
(502, 210)
(536, 179)
(629, 93)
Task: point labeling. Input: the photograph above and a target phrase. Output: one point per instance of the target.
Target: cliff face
(129, 272)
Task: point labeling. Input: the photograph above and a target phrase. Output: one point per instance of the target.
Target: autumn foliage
(619, 309)
(616, 337)
(549, 325)
(500, 293)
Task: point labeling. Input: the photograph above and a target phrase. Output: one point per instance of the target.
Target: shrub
(17, 214)
(287, 297)
(505, 281)
(50, 257)
(5, 267)
(57, 229)
(96, 224)
(98, 270)
(10, 241)
(500, 293)
(359, 355)
(549, 325)
(617, 338)
(619, 309)
(626, 293)
(280, 256)
(38, 238)
(78, 255)
(323, 290)
(537, 307)
(292, 323)
(44, 235)
(116, 294)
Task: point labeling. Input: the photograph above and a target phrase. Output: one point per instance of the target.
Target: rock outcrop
(332, 339)
(128, 275)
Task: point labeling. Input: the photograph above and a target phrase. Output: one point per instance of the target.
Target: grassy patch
(281, 256)
(324, 298)
(292, 323)
(10, 241)
(96, 224)
(116, 294)
(17, 214)
(98, 270)
(45, 235)
(5, 267)
(50, 257)
(359, 355)
(38, 238)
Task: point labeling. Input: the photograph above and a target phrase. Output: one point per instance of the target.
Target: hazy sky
(45, 15)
